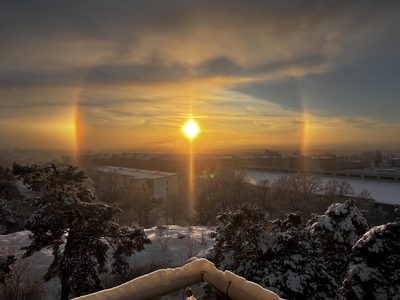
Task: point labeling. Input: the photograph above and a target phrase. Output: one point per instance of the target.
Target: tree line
(226, 188)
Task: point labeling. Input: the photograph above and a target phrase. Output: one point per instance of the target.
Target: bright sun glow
(191, 129)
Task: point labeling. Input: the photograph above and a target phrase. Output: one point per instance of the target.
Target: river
(381, 191)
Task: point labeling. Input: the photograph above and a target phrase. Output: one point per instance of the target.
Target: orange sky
(102, 77)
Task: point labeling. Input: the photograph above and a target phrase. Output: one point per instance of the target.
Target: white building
(161, 183)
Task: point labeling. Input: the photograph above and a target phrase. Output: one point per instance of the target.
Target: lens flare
(77, 127)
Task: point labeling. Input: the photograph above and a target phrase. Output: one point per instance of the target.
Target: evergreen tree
(374, 269)
(236, 242)
(337, 231)
(295, 267)
(283, 259)
(10, 198)
(237, 233)
(6, 262)
(8, 185)
(10, 220)
(68, 215)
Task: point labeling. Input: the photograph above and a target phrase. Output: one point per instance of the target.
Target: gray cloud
(152, 72)
(247, 31)
(39, 78)
(269, 44)
(135, 73)
(79, 43)
(284, 93)
(221, 66)
(122, 19)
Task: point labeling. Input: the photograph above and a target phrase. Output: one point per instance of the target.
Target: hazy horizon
(253, 75)
(284, 150)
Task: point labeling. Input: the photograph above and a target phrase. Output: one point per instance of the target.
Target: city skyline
(98, 75)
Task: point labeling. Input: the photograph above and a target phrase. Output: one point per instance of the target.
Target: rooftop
(136, 173)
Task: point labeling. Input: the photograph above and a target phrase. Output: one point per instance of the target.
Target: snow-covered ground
(381, 191)
(171, 247)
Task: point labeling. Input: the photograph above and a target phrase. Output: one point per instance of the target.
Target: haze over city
(96, 75)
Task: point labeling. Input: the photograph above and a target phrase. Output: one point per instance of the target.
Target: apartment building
(161, 183)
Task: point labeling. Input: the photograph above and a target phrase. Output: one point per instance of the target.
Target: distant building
(271, 152)
(266, 161)
(349, 163)
(378, 159)
(312, 163)
(160, 183)
(277, 161)
(249, 160)
(297, 162)
(392, 162)
(286, 162)
(176, 163)
(327, 162)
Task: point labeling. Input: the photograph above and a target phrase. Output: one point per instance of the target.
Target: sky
(102, 75)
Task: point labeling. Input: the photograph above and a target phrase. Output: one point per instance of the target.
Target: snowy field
(170, 247)
(381, 191)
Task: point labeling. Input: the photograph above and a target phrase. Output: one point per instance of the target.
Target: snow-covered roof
(131, 155)
(103, 155)
(136, 173)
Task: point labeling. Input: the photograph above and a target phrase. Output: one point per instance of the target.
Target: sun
(191, 129)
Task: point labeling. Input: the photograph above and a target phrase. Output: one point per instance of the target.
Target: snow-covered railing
(166, 281)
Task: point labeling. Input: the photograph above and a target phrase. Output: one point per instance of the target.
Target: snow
(266, 241)
(337, 209)
(11, 243)
(346, 224)
(381, 191)
(293, 281)
(297, 257)
(176, 254)
(363, 271)
(167, 280)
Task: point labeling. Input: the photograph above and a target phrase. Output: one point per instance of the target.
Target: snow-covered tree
(282, 259)
(10, 220)
(374, 269)
(78, 229)
(10, 198)
(236, 242)
(237, 233)
(337, 231)
(8, 185)
(295, 267)
(6, 262)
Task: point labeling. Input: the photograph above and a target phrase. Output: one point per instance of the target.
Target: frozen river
(381, 191)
